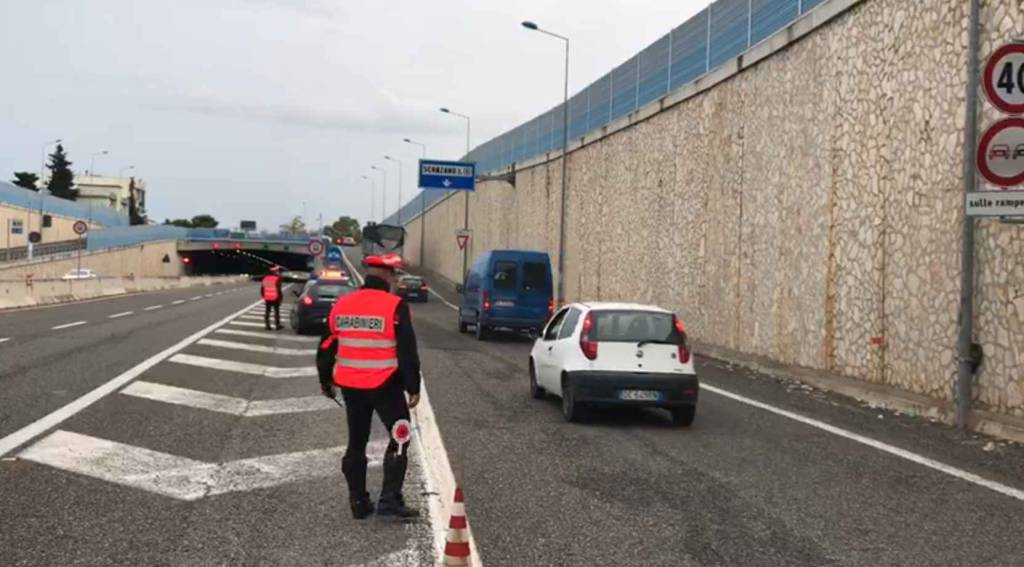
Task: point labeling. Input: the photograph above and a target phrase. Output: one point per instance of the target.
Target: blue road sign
(447, 175)
(334, 254)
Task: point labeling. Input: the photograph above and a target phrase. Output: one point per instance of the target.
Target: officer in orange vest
(270, 291)
(369, 351)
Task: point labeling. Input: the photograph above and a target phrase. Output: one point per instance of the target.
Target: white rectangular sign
(995, 204)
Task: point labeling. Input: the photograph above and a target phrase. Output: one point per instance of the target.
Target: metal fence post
(750, 21)
(707, 46)
(668, 79)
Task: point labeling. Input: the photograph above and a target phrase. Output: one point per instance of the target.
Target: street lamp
(423, 202)
(565, 158)
(399, 162)
(384, 191)
(465, 220)
(124, 169)
(92, 161)
(373, 197)
(42, 158)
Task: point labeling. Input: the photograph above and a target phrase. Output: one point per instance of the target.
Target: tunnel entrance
(234, 261)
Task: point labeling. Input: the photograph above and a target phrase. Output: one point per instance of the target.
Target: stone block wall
(807, 209)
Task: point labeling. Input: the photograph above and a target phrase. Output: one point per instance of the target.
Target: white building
(101, 190)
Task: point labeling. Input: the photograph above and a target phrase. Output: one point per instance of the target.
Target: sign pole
(465, 220)
(79, 254)
(965, 370)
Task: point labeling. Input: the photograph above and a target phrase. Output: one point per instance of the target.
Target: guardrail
(46, 249)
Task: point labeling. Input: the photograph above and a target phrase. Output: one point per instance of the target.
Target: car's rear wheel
(572, 411)
(463, 327)
(482, 332)
(536, 392)
(683, 416)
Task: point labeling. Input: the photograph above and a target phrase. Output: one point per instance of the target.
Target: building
(107, 191)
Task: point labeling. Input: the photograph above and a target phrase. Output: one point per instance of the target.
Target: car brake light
(487, 301)
(684, 349)
(307, 300)
(423, 287)
(588, 346)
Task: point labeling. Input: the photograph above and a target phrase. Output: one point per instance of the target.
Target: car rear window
(535, 276)
(410, 281)
(505, 275)
(333, 290)
(632, 326)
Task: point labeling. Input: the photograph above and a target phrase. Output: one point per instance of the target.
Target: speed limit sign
(1004, 78)
(315, 247)
(80, 227)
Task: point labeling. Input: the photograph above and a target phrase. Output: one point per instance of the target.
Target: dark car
(309, 313)
(412, 288)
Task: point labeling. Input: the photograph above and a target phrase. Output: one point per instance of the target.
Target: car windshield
(411, 282)
(632, 326)
(331, 290)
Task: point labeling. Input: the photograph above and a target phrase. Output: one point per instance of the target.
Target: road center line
(152, 307)
(177, 302)
(55, 418)
(5, 340)
(119, 315)
(195, 298)
(68, 325)
(875, 444)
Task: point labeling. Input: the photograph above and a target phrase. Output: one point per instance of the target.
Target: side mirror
(459, 288)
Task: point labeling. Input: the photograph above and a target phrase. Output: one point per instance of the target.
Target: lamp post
(423, 202)
(42, 159)
(92, 161)
(373, 197)
(565, 159)
(399, 162)
(384, 192)
(465, 220)
(124, 169)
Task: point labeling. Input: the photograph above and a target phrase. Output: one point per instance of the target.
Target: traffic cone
(456, 547)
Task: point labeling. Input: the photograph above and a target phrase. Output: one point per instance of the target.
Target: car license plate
(504, 303)
(640, 395)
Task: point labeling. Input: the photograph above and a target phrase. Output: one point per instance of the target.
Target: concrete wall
(60, 230)
(806, 209)
(142, 260)
(29, 292)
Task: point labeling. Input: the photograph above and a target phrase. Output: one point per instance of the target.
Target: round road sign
(1004, 78)
(1001, 153)
(315, 247)
(80, 227)
(35, 237)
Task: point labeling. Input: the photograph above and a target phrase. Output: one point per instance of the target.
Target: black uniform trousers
(388, 400)
(276, 306)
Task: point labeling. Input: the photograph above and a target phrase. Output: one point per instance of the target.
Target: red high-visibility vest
(270, 283)
(363, 323)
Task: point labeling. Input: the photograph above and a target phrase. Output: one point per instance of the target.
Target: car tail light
(684, 349)
(487, 301)
(551, 307)
(588, 346)
(401, 287)
(423, 287)
(307, 300)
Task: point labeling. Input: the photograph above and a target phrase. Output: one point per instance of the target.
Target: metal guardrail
(45, 249)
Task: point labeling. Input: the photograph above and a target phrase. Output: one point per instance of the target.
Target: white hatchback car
(615, 354)
(80, 274)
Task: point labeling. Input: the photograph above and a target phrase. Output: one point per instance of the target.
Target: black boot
(392, 504)
(361, 505)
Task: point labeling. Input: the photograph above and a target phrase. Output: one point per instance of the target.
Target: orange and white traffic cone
(456, 547)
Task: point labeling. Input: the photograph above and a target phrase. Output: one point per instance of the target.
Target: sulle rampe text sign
(447, 175)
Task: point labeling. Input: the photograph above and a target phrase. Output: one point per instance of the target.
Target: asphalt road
(221, 452)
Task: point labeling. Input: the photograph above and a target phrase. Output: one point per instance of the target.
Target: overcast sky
(245, 109)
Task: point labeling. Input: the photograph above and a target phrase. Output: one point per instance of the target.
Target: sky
(269, 109)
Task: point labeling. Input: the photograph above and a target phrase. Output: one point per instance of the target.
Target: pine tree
(26, 179)
(136, 214)
(62, 179)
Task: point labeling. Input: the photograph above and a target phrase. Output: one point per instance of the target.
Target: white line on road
(875, 444)
(244, 367)
(153, 307)
(5, 340)
(180, 477)
(257, 348)
(225, 404)
(119, 315)
(195, 298)
(246, 324)
(268, 335)
(68, 325)
(177, 302)
(54, 418)
(252, 317)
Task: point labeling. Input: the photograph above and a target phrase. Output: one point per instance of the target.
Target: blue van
(508, 289)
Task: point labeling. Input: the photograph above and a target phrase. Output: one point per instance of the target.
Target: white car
(348, 241)
(615, 354)
(80, 274)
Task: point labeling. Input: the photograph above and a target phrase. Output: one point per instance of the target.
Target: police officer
(369, 351)
(270, 291)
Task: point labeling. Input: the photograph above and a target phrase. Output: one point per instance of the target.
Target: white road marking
(208, 295)
(247, 324)
(406, 558)
(195, 298)
(4, 340)
(225, 404)
(258, 348)
(244, 367)
(119, 315)
(875, 444)
(153, 307)
(177, 302)
(55, 418)
(180, 477)
(251, 317)
(68, 325)
(268, 335)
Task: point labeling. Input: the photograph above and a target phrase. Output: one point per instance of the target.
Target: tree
(345, 226)
(62, 179)
(295, 226)
(26, 179)
(179, 222)
(204, 221)
(136, 212)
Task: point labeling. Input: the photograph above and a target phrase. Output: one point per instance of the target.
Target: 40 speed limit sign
(1004, 78)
